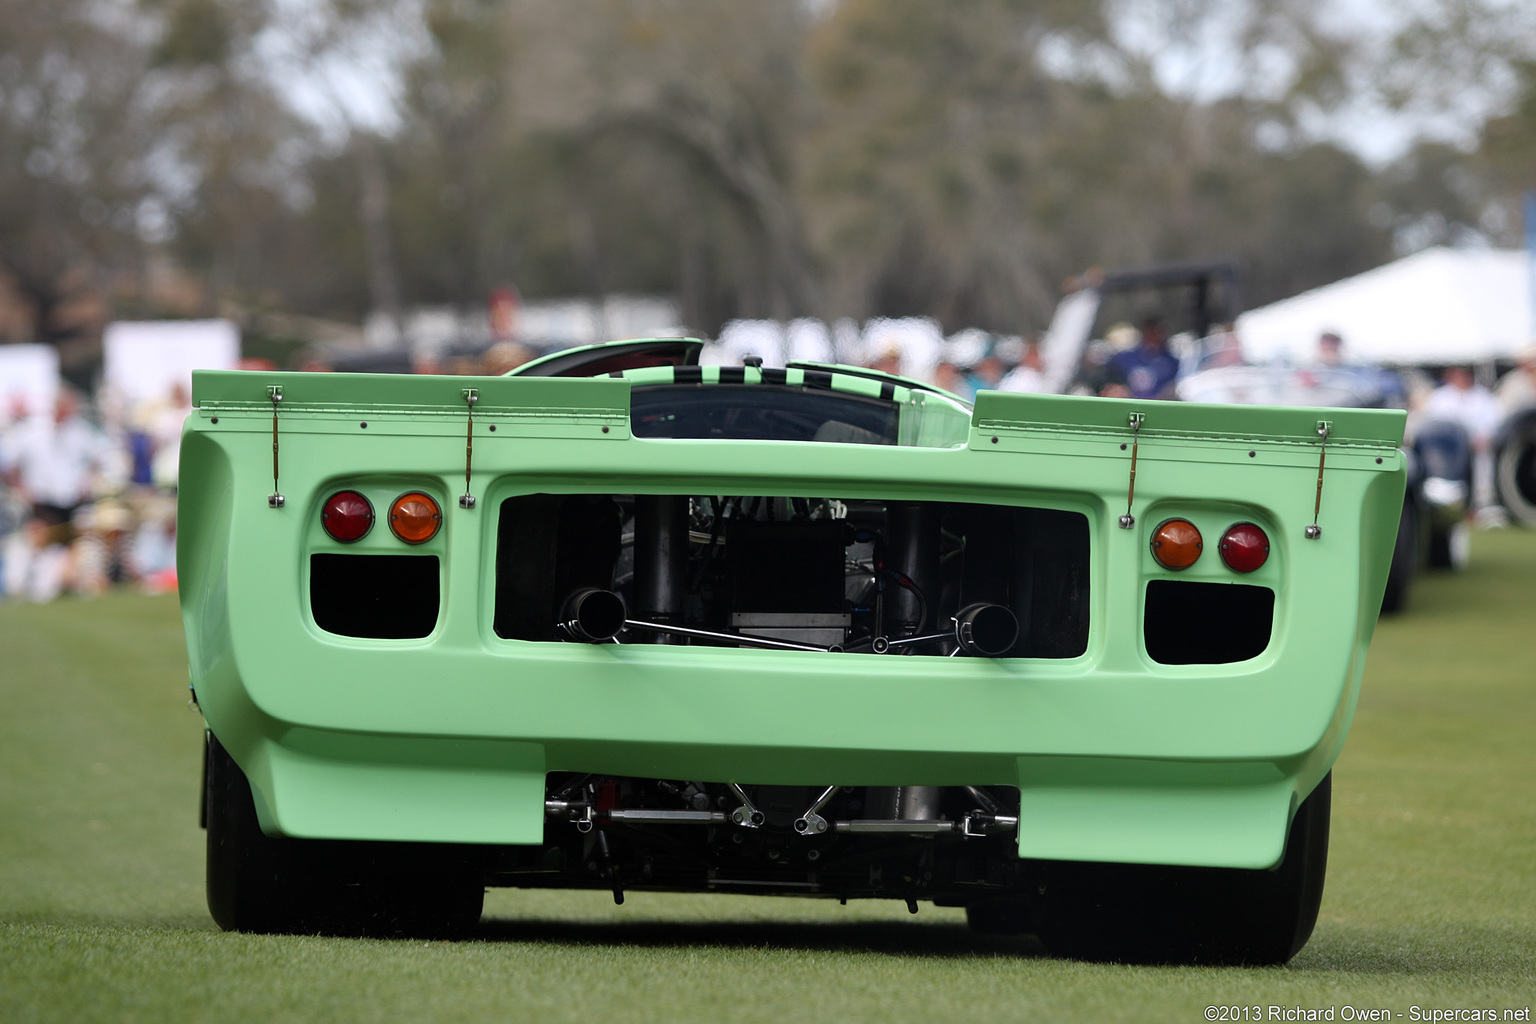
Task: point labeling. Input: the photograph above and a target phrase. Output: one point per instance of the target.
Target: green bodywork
(448, 738)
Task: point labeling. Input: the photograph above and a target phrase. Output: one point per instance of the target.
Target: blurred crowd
(87, 489)
(88, 494)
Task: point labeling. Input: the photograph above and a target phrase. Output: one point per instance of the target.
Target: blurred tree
(846, 157)
(1505, 161)
(341, 62)
(129, 130)
(235, 155)
(933, 173)
(76, 183)
(1465, 70)
(966, 165)
(609, 145)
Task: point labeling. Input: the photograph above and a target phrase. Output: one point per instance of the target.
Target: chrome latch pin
(811, 823)
(275, 499)
(747, 815)
(471, 396)
(1135, 421)
(1324, 428)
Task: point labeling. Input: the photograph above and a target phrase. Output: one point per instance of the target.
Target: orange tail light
(1176, 544)
(415, 517)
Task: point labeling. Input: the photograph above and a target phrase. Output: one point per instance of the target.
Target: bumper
(1187, 766)
(1225, 814)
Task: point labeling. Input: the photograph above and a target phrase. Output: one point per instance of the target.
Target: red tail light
(347, 516)
(1176, 543)
(1244, 547)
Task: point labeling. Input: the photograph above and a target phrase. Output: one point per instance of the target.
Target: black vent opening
(375, 597)
(1190, 623)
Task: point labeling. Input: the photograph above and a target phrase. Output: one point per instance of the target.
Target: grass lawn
(1430, 903)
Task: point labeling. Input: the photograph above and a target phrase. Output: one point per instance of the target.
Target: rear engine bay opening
(794, 573)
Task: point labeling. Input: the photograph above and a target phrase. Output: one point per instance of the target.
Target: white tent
(1436, 306)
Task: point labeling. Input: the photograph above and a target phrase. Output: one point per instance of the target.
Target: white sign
(29, 380)
(143, 360)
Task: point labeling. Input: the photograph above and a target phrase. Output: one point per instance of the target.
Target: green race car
(621, 621)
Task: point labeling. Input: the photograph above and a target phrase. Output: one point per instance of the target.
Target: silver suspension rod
(735, 638)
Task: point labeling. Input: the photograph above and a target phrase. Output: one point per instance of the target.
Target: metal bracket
(747, 815)
(976, 825)
(471, 396)
(579, 814)
(1324, 428)
(275, 499)
(741, 639)
(884, 644)
(810, 823)
(1134, 421)
(625, 816)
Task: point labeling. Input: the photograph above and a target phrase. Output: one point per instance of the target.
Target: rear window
(762, 413)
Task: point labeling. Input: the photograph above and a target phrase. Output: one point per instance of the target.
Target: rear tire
(261, 883)
(1515, 473)
(1138, 913)
(250, 883)
(1405, 560)
(1451, 548)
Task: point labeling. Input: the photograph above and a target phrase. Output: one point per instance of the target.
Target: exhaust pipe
(982, 630)
(986, 630)
(592, 615)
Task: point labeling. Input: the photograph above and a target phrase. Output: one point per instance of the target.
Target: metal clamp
(1324, 428)
(810, 823)
(747, 815)
(471, 396)
(579, 813)
(275, 499)
(1134, 421)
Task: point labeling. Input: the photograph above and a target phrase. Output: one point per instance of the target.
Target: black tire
(1515, 473)
(261, 883)
(1448, 547)
(1136, 913)
(1405, 560)
(1000, 916)
(249, 888)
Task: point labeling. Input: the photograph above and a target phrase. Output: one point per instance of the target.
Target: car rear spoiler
(999, 411)
(593, 402)
(599, 400)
